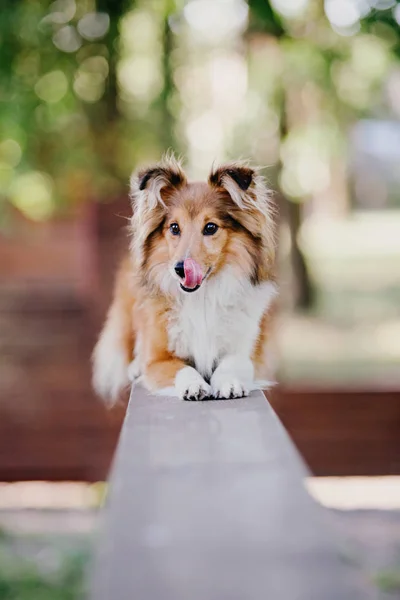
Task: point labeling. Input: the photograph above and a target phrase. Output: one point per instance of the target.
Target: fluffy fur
(203, 342)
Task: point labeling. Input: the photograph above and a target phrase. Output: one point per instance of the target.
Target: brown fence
(66, 434)
(55, 282)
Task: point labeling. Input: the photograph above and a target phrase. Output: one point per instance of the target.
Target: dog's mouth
(189, 290)
(197, 286)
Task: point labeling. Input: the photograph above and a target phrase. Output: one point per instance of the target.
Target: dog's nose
(179, 269)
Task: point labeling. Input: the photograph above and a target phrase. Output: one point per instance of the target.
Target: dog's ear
(251, 205)
(150, 190)
(240, 181)
(151, 186)
(167, 175)
(241, 175)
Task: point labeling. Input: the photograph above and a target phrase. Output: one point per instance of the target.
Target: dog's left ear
(251, 199)
(243, 184)
(241, 175)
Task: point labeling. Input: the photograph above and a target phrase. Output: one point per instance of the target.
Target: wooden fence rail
(207, 502)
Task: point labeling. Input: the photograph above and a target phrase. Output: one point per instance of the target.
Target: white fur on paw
(229, 387)
(190, 385)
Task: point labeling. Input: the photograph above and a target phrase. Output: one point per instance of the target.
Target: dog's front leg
(174, 378)
(163, 372)
(233, 377)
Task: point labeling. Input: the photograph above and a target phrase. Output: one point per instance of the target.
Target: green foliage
(383, 24)
(69, 131)
(388, 581)
(23, 578)
(327, 77)
(264, 18)
(53, 77)
(88, 88)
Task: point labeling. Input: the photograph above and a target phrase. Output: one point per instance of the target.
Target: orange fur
(263, 344)
(123, 303)
(159, 366)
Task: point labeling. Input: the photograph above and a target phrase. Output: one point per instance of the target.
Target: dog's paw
(190, 385)
(224, 386)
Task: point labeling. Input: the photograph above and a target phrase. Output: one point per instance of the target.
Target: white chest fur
(221, 318)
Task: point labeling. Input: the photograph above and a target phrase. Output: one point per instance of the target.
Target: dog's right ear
(150, 189)
(151, 186)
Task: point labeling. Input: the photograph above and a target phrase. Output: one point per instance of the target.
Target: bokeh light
(94, 26)
(32, 194)
(290, 8)
(213, 21)
(67, 39)
(52, 87)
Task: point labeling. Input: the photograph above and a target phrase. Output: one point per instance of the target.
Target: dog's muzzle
(191, 274)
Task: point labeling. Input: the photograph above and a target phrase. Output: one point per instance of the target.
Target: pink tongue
(193, 274)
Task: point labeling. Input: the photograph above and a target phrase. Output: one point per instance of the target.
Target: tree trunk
(304, 290)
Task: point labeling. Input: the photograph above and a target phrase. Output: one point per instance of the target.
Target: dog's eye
(174, 229)
(210, 229)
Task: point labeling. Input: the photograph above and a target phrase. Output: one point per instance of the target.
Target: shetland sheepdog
(191, 310)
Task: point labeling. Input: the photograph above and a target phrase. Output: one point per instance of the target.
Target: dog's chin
(189, 290)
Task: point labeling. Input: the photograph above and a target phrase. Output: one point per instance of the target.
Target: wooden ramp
(207, 502)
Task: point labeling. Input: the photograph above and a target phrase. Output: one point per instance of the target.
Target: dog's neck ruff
(220, 318)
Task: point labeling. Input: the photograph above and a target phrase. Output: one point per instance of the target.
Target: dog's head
(186, 233)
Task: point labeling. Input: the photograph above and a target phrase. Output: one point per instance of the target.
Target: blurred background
(89, 90)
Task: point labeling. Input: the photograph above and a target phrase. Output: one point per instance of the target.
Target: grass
(42, 568)
(388, 581)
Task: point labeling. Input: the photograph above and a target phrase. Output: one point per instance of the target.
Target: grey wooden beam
(207, 502)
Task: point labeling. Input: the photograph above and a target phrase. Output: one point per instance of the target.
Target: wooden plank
(207, 502)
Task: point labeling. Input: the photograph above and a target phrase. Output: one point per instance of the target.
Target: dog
(191, 312)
